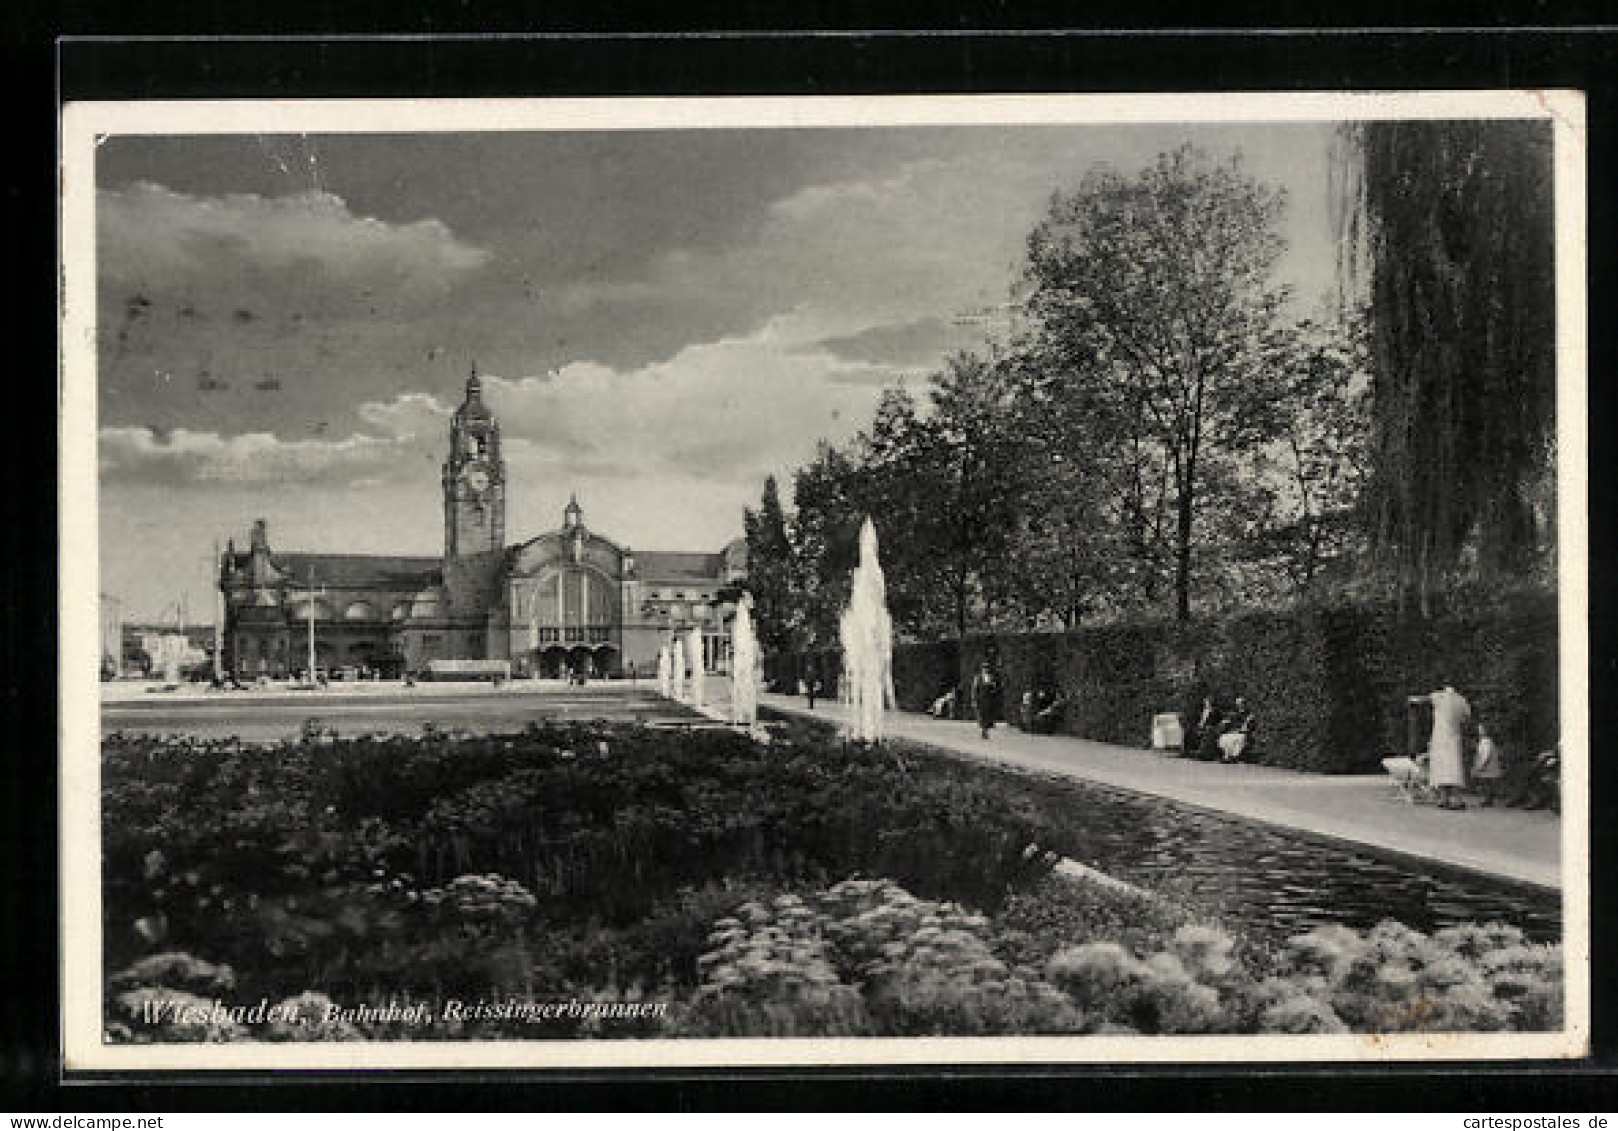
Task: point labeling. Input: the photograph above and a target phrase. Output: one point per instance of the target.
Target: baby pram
(1409, 777)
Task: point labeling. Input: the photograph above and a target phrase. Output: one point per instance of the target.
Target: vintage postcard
(823, 581)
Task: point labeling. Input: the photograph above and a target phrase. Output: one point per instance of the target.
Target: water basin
(1280, 882)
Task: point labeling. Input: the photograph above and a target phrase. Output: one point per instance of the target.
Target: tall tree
(943, 481)
(1293, 510)
(771, 570)
(825, 515)
(1066, 558)
(1155, 294)
(900, 484)
(1454, 220)
(976, 454)
(1323, 452)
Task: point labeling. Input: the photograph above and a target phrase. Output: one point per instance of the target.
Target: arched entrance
(552, 662)
(581, 661)
(364, 653)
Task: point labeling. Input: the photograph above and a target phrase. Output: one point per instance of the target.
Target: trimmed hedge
(1328, 685)
(923, 671)
(783, 670)
(1110, 676)
(1504, 660)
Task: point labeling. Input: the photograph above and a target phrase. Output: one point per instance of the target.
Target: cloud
(151, 238)
(182, 458)
(411, 426)
(287, 312)
(732, 409)
(919, 242)
(934, 238)
(923, 343)
(220, 293)
(408, 416)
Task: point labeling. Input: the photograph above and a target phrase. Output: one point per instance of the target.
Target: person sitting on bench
(1050, 718)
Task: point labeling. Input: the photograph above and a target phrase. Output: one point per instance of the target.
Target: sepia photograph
(808, 581)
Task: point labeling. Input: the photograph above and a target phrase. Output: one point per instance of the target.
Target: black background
(745, 49)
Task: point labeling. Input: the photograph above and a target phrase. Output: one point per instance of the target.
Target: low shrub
(866, 956)
(1059, 909)
(924, 670)
(1459, 979)
(302, 863)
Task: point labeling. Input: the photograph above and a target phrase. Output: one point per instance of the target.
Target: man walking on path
(986, 698)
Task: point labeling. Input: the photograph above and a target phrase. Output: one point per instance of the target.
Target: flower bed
(867, 957)
(342, 882)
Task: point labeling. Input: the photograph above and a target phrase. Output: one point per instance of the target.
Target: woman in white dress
(1446, 749)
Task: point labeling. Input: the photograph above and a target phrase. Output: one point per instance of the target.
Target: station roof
(679, 565)
(357, 571)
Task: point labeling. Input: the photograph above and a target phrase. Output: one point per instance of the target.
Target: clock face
(477, 479)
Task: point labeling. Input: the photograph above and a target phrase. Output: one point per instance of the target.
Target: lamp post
(218, 619)
(310, 594)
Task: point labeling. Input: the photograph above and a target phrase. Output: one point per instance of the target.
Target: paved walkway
(1510, 843)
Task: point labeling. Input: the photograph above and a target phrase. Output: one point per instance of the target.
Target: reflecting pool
(1280, 882)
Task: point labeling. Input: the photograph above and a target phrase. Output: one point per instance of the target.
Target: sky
(661, 318)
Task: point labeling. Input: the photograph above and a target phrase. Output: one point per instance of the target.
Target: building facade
(568, 600)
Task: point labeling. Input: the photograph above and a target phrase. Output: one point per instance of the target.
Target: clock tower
(474, 479)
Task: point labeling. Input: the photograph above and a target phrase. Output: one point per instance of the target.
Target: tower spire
(473, 477)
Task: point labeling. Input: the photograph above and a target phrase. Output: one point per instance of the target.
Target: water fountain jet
(676, 669)
(866, 630)
(743, 665)
(663, 670)
(173, 646)
(693, 647)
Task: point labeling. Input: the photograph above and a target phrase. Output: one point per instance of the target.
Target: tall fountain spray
(867, 636)
(173, 646)
(676, 669)
(693, 647)
(663, 670)
(743, 665)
